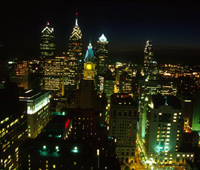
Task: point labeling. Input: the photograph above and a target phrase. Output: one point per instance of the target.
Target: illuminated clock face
(89, 66)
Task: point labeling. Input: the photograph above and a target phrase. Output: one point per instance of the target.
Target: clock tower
(88, 73)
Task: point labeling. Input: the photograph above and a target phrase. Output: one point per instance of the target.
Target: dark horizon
(173, 26)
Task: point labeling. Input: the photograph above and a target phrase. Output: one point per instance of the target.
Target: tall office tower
(102, 55)
(54, 74)
(47, 45)
(22, 74)
(164, 132)
(38, 114)
(13, 126)
(123, 127)
(149, 63)
(75, 56)
(47, 50)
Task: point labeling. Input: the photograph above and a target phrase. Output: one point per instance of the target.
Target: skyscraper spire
(76, 21)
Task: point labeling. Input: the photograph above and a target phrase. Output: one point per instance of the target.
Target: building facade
(123, 127)
(13, 127)
(38, 114)
(163, 133)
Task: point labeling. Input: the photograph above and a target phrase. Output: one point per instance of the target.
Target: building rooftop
(159, 100)
(32, 94)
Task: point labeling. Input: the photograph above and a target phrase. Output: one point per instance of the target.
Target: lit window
(54, 166)
(74, 163)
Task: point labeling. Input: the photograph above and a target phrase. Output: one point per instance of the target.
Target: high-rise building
(23, 74)
(47, 45)
(74, 55)
(38, 114)
(149, 62)
(123, 127)
(47, 50)
(55, 75)
(102, 55)
(13, 126)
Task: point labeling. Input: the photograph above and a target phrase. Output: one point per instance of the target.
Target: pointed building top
(89, 53)
(102, 38)
(76, 22)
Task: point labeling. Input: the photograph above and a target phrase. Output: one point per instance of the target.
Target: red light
(67, 124)
(77, 13)
(76, 44)
(47, 23)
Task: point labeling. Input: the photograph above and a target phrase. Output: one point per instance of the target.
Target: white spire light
(102, 38)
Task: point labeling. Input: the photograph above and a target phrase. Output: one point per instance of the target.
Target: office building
(164, 132)
(13, 126)
(75, 55)
(38, 114)
(123, 127)
(150, 69)
(22, 73)
(102, 55)
(47, 44)
(55, 76)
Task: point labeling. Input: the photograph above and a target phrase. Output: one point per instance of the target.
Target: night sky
(174, 28)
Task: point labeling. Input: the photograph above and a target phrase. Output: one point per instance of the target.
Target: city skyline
(173, 26)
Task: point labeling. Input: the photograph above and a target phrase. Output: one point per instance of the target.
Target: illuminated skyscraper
(47, 45)
(47, 50)
(74, 54)
(102, 55)
(149, 63)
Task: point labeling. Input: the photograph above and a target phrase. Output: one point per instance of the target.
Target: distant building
(123, 126)
(75, 56)
(109, 85)
(47, 50)
(38, 114)
(102, 55)
(22, 73)
(47, 45)
(55, 75)
(150, 70)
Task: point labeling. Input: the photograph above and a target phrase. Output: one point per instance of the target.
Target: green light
(57, 148)
(75, 150)
(44, 147)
